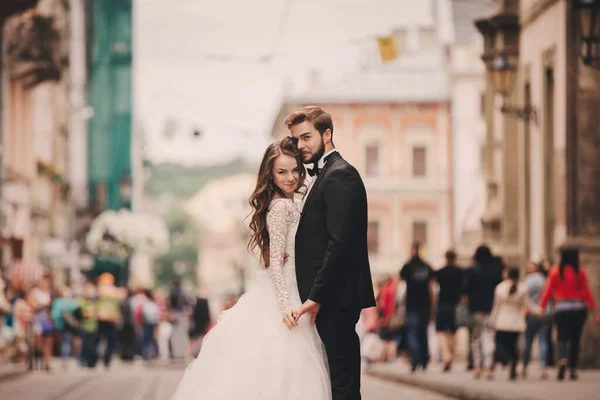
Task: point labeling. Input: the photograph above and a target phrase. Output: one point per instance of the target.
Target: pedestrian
(508, 320)
(89, 326)
(199, 322)
(150, 320)
(482, 280)
(567, 284)
(546, 266)
(537, 327)
(128, 338)
(392, 319)
(63, 315)
(450, 281)
(419, 278)
(179, 306)
(40, 300)
(109, 314)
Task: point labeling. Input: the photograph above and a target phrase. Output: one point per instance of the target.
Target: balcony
(32, 49)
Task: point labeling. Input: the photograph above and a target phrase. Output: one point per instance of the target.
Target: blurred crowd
(419, 312)
(97, 320)
(420, 309)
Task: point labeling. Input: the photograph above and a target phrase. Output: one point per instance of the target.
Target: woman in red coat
(567, 285)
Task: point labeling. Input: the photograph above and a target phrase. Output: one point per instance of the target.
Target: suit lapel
(332, 158)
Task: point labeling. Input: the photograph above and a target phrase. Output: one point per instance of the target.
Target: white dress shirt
(320, 165)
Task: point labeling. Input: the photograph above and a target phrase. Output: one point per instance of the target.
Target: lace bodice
(282, 221)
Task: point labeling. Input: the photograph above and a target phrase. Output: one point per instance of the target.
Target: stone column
(511, 169)
(141, 275)
(492, 214)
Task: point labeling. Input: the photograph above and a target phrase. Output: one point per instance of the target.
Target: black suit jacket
(332, 261)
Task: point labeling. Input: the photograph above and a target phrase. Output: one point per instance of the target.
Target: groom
(332, 263)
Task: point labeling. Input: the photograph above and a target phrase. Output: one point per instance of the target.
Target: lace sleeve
(277, 224)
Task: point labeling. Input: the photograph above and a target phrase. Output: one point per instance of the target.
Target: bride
(259, 349)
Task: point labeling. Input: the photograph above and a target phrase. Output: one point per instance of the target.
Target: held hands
(310, 307)
(290, 319)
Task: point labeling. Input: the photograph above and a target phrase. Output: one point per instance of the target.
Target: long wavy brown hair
(266, 190)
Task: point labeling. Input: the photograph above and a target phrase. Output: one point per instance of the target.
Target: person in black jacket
(200, 319)
(420, 305)
(332, 262)
(481, 283)
(450, 279)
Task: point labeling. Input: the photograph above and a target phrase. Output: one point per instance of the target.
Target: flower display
(120, 233)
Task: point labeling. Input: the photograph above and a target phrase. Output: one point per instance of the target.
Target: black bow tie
(313, 171)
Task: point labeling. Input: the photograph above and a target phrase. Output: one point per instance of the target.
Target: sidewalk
(460, 384)
(11, 371)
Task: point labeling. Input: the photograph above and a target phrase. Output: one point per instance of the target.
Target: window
(401, 36)
(419, 230)
(419, 161)
(372, 159)
(373, 237)
(419, 234)
(16, 247)
(427, 37)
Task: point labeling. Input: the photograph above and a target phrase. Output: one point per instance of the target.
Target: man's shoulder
(339, 164)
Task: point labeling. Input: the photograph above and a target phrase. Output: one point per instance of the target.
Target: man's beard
(317, 155)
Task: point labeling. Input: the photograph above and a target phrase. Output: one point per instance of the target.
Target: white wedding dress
(250, 354)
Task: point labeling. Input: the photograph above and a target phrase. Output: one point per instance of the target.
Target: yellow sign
(388, 51)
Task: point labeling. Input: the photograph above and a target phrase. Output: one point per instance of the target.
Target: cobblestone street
(139, 383)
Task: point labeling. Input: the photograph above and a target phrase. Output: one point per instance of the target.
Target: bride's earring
(271, 185)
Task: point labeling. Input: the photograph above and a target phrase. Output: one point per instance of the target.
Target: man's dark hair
(483, 255)
(320, 118)
(450, 256)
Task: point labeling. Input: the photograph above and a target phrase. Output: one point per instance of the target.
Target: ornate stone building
(35, 136)
(543, 136)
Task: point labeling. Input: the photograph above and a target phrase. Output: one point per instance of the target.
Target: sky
(197, 62)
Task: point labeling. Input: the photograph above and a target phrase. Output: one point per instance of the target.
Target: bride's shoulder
(282, 205)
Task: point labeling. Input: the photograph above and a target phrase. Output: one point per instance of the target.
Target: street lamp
(501, 52)
(589, 31)
(503, 80)
(503, 74)
(488, 32)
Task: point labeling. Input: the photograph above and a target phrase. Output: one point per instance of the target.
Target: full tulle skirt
(250, 354)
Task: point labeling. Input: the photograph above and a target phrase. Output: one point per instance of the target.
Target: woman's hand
(289, 319)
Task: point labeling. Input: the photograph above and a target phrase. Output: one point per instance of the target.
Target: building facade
(467, 77)
(544, 152)
(394, 125)
(66, 119)
(35, 192)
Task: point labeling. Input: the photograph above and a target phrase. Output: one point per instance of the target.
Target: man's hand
(290, 320)
(310, 307)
